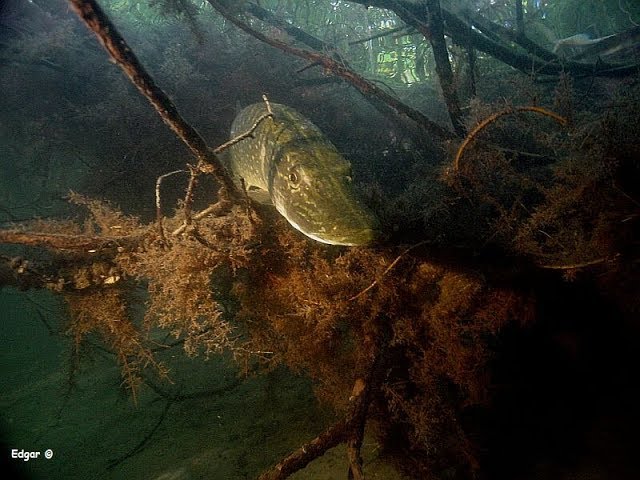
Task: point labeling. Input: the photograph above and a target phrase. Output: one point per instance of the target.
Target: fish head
(312, 187)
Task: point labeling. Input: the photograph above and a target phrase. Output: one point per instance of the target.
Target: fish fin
(259, 195)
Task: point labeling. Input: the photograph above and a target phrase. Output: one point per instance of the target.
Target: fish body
(581, 40)
(306, 178)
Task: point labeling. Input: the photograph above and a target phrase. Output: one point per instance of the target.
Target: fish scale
(305, 176)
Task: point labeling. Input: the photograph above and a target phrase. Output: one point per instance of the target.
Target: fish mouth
(361, 231)
(353, 238)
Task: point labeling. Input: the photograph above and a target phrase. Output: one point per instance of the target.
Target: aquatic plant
(397, 337)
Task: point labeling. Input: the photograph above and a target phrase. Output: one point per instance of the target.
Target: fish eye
(349, 176)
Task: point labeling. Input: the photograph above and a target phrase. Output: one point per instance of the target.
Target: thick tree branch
(433, 31)
(61, 242)
(97, 21)
(350, 430)
(295, 32)
(304, 455)
(443, 67)
(527, 63)
(340, 69)
(497, 31)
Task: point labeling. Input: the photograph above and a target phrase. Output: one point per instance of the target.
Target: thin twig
(188, 196)
(574, 266)
(219, 208)
(379, 35)
(159, 216)
(492, 118)
(195, 172)
(388, 269)
(248, 133)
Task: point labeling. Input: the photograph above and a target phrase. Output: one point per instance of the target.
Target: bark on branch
(97, 21)
(295, 32)
(542, 62)
(340, 69)
(62, 242)
(350, 430)
(443, 67)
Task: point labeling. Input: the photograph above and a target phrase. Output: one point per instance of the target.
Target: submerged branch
(435, 35)
(492, 118)
(501, 33)
(304, 455)
(519, 18)
(340, 69)
(384, 33)
(58, 241)
(542, 62)
(220, 206)
(248, 133)
(97, 21)
(159, 216)
(350, 430)
(387, 270)
(433, 32)
(290, 29)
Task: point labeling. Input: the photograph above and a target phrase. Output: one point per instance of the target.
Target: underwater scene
(319, 239)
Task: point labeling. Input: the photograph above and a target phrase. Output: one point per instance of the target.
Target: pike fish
(306, 178)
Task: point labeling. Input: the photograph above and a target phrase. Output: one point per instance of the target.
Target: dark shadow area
(564, 391)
